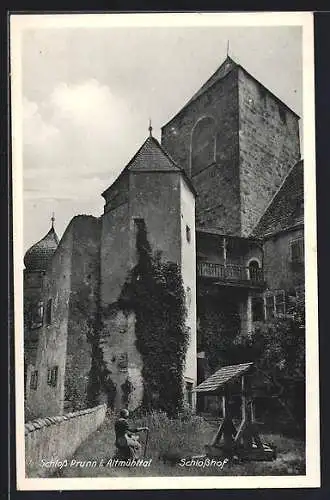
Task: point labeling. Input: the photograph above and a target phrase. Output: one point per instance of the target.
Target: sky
(88, 94)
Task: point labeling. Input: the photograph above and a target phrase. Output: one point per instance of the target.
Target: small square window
(188, 234)
(34, 380)
(52, 376)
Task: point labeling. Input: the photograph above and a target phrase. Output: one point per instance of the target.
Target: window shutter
(297, 251)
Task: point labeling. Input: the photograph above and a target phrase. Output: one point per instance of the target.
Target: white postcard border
(21, 22)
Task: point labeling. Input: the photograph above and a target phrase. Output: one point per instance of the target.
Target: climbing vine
(86, 308)
(154, 292)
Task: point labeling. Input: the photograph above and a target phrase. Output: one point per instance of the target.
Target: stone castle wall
(57, 438)
(269, 146)
(46, 399)
(84, 301)
(218, 202)
(71, 284)
(280, 273)
(256, 143)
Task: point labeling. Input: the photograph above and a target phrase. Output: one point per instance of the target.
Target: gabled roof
(222, 376)
(225, 69)
(152, 157)
(286, 210)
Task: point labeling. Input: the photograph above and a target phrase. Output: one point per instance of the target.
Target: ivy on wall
(86, 310)
(154, 292)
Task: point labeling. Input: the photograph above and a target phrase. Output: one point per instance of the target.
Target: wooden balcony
(231, 274)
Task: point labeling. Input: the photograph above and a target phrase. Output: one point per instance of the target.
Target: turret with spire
(38, 256)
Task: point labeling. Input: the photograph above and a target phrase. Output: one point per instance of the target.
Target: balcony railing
(230, 273)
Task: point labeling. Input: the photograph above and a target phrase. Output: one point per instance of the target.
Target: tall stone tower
(152, 188)
(236, 141)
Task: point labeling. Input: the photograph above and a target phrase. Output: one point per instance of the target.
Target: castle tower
(154, 189)
(237, 142)
(36, 261)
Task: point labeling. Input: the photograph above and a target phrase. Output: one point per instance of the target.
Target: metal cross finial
(227, 48)
(53, 220)
(150, 128)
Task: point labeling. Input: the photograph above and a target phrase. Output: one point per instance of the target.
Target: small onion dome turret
(40, 254)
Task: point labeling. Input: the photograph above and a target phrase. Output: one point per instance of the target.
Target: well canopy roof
(222, 376)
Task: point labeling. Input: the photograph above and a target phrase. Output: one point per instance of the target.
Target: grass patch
(186, 436)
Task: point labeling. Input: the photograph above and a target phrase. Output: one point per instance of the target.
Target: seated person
(127, 442)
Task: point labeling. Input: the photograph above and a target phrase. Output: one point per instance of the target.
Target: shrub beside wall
(58, 437)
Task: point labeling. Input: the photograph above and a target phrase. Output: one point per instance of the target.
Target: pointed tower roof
(226, 67)
(152, 157)
(39, 255)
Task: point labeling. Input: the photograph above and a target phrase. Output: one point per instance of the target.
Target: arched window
(203, 145)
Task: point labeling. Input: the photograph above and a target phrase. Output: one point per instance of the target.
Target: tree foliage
(218, 329)
(278, 350)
